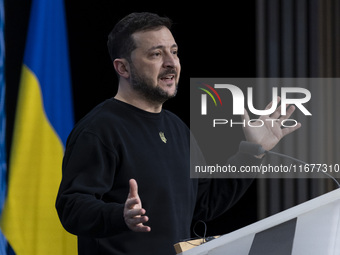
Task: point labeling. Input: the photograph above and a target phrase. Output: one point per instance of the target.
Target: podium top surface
(305, 208)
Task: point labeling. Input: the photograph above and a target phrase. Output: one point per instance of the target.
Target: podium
(311, 228)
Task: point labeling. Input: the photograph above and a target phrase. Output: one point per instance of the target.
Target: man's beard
(143, 86)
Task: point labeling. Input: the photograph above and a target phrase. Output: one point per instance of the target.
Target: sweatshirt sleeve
(88, 173)
(216, 196)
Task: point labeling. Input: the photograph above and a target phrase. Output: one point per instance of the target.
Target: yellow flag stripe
(30, 221)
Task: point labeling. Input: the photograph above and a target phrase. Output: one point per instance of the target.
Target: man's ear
(122, 67)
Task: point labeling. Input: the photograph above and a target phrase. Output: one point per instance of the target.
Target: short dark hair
(120, 42)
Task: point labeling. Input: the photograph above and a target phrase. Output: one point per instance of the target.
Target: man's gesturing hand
(133, 211)
(271, 132)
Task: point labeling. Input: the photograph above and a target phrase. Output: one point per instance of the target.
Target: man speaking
(126, 186)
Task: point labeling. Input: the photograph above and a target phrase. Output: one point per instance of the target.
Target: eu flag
(3, 167)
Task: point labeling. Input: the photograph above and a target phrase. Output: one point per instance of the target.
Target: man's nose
(170, 61)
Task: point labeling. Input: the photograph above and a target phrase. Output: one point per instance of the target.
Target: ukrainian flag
(44, 118)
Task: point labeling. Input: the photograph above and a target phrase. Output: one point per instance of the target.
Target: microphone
(256, 150)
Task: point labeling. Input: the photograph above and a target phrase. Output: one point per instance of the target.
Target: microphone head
(251, 148)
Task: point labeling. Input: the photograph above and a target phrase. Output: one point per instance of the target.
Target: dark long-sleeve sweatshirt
(116, 142)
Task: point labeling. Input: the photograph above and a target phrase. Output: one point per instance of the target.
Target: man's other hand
(134, 214)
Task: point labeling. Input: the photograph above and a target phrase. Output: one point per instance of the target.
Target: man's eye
(156, 54)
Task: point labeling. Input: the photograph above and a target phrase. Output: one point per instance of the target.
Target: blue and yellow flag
(44, 118)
